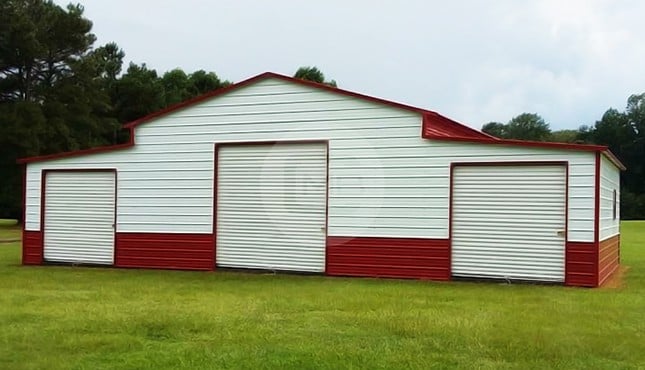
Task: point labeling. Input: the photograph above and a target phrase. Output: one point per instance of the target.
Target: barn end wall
(609, 183)
(385, 181)
(608, 219)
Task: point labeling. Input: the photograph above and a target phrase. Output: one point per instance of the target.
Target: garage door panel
(507, 222)
(79, 217)
(271, 206)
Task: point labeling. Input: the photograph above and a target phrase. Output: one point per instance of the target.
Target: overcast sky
(473, 61)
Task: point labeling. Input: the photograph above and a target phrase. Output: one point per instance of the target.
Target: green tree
(528, 126)
(201, 82)
(313, 74)
(21, 126)
(108, 61)
(176, 86)
(496, 129)
(59, 93)
(624, 133)
(565, 136)
(40, 42)
(137, 93)
(50, 97)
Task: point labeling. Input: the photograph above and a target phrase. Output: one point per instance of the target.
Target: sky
(473, 61)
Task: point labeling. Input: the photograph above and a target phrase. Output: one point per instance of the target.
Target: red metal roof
(434, 127)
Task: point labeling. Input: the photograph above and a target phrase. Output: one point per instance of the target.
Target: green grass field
(9, 230)
(95, 318)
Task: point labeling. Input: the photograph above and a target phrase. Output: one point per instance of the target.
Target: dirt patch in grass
(617, 279)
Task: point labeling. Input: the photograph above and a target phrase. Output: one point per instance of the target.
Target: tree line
(60, 92)
(623, 131)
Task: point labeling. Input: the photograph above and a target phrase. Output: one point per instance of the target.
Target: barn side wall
(385, 181)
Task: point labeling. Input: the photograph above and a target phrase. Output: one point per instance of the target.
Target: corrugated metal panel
(609, 181)
(271, 202)
(389, 257)
(79, 217)
(506, 220)
(582, 264)
(166, 251)
(32, 247)
(608, 258)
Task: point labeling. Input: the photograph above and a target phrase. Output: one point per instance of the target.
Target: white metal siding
(384, 179)
(506, 220)
(609, 181)
(271, 206)
(79, 217)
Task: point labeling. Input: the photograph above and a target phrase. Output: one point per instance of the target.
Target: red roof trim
(456, 127)
(437, 125)
(75, 153)
(541, 144)
(263, 76)
(433, 130)
(434, 126)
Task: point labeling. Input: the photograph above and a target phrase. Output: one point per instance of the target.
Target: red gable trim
(264, 76)
(434, 126)
(438, 126)
(75, 153)
(449, 125)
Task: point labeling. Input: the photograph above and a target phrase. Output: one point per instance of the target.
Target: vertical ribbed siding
(271, 203)
(509, 222)
(581, 264)
(79, 217)
(165, 251)
(389, 257)
(32, 247)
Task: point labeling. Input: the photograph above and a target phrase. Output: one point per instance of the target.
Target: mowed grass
(95, 318)
(9, 230)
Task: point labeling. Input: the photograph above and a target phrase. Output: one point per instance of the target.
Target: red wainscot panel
(32, 247)
(608, 258)
(581, 264)
(389, 257)
(165, 251)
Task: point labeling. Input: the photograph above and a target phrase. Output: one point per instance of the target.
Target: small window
(615, 205)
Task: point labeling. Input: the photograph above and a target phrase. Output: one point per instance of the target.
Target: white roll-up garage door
(79, 217)
(509, 222)
(271, 206)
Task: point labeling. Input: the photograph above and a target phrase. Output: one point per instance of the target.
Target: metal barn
(282, 174)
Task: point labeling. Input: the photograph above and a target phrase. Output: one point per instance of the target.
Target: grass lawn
(95, 318)
(9, 230)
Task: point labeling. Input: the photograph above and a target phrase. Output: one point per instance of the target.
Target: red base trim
(608, 258)
(411, 258)
(32, 247)
(165, 251)
(389, 257)
(581, 264)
